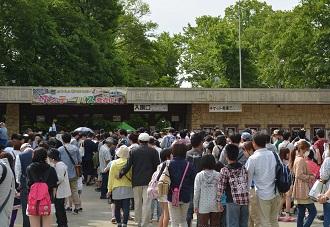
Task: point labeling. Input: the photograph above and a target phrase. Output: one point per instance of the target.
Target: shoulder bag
(77, 166)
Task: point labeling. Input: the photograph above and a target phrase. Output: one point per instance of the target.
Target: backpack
(283, 177)
(39, 203)
(152, 190)
(169, 139)
(164, 182)
(176, 191)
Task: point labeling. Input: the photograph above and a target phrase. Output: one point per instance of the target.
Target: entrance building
(231, 110)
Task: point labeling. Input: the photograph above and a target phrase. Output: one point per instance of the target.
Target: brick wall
(264, 115)
(12, 118)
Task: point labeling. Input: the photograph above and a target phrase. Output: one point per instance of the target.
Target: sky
(173, 15)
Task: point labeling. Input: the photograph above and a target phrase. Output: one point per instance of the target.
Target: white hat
(24, 146)
(122, 151)
(144, 137)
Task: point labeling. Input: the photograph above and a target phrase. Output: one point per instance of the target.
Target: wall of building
(12, 118)
(264, 116)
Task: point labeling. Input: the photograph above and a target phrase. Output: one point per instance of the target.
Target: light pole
(239, 44)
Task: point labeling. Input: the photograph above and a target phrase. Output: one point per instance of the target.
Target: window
(314, 128)
(271, 128)
(230, 129)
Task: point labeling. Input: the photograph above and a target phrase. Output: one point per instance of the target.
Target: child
(205, 193)
(234, 181)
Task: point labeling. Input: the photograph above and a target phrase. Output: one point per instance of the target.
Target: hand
(322, 198)
(109, 194)
(196, 210)
(311, 177)
(220, 207)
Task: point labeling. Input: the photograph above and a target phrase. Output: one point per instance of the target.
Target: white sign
(224, 107)
(150, 107)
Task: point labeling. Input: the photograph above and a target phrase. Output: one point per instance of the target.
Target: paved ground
(97, 213)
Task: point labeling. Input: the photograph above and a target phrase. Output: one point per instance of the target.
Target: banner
(225, 107)
(79, 96)
(150, 107)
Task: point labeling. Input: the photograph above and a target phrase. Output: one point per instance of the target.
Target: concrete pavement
(97, 213)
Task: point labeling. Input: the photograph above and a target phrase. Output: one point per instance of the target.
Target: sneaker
(80, 209)
(68, 209)
(75, 211)
(113, 220)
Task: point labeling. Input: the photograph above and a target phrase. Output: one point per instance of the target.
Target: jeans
(124, 205)
(301, 214)
(326, 210)
(60, 213)
(190, 211)
(24, 196)
(237, 215)
(156, 204)
(104, 186)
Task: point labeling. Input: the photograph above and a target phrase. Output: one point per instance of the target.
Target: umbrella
(126, 126)
(83, 129)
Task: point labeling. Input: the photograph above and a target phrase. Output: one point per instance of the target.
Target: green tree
(46, 42)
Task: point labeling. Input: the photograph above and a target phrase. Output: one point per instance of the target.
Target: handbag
(318, 188)
(77, 167)
(176, 191)
(152, 190)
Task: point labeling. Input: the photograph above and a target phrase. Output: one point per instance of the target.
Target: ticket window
(314, 129)
(230, 129)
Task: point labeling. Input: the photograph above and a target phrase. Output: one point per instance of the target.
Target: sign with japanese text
(79, 96)
(150, 107)
(224, 107)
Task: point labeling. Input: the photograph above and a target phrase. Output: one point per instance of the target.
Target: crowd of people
(173, 177)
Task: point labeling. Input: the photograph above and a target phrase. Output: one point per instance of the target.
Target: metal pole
(239, 44)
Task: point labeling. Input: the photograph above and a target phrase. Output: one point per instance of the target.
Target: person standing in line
(63, 187)
(120, 189)
(253, 214)
(3, 134)
(90, 148)
(234, 181)
(205, 193)
(325, 177)
(168, 139)
(23, 160)
(301, 186)
(261, 169)
(165, 156)
(7, 192)
(143, 161)
(176, 169)
(104, 159)
(39, 171)
(70, 156)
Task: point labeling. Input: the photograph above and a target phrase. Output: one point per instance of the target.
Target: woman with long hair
(40, 171)
(301, 185)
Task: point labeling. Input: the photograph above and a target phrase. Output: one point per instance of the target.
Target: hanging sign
(225, 107)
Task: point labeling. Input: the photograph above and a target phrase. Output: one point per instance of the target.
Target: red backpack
(39, 203)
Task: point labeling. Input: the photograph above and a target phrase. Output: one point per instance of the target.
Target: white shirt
(286, 144)
(104, 156)
(261, 169)
(63, 188)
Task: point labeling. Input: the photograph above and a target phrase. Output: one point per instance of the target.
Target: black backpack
(283, 177)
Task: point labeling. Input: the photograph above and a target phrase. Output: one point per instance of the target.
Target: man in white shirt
(261, 169)
(104, 159)
(286, 142)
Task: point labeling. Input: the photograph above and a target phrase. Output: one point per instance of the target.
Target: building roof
(145, 95)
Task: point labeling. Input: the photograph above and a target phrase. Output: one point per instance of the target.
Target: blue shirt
(74, 152)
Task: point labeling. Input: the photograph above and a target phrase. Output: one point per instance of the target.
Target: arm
(299, 171)
(197, 192)
(222, 158)
(318, 155)
(60, 174)
(111, 179)
(221, 187)
(250, 167)
(163, 143)
(127, 166)
(18, 169)
(325, 170)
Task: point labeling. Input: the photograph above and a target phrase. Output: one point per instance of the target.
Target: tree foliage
(286, 49)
